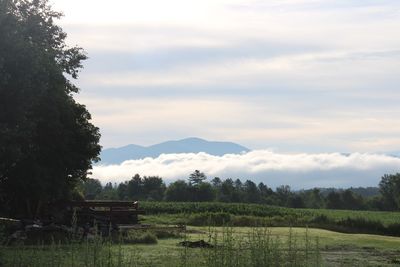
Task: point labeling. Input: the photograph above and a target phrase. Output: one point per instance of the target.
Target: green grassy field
(334, 249)
(265, 210)
(337, 249)
(235, 214)
(252, 235)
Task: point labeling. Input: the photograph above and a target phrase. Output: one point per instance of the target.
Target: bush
(209, 218)
(242, 221)
(393, 229)
(362, 225)
(3, 235)
(320, 219)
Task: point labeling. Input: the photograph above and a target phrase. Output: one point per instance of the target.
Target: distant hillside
(188, 145)
(394, 154)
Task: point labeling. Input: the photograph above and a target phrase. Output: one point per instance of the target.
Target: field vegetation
(238, 214)
(229, 246)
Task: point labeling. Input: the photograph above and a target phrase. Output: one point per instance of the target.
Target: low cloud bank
(274, 169)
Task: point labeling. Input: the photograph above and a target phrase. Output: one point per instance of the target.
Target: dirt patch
(194, 231)
(195, 244)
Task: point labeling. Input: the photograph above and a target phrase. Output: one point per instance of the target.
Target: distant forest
(197, 189)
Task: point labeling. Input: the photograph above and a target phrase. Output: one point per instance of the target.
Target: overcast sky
(287, 75)
(304, 79)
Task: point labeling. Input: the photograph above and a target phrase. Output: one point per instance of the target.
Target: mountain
(394, 154)
(188, 145)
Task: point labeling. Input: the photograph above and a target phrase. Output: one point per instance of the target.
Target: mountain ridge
(187, 145)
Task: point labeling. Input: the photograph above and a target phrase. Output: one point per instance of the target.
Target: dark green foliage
(390, 190)
(134, 187)
(200, 207)
(356, 225)
(295, 201)
(109, 192)
(196, 177)
(177, 191)
(182, 191)
(283, 193)
(122, 191)
(3, 236)
(334, 201)
(47, 142)
(227, 191)
(265, 193)
(365, 191)
(92, 188)
(141, 188)
(201, 192)
(153, 188)
(251, 192)
(351, 201)
(209, 218)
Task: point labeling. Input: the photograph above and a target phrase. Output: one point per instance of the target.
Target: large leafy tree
(389, 186)
(47, 143)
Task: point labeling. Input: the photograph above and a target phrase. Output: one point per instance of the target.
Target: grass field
(338, 249)
(235, 214)
(260, 210)
(334, 249)
(252, 235)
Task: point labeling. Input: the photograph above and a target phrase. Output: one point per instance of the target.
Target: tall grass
(88, 254)
(257, 248)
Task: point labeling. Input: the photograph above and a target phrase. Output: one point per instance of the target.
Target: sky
(289, 76)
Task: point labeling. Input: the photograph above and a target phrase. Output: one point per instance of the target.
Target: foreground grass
(238, 246)
(327, 239)
(337, 249)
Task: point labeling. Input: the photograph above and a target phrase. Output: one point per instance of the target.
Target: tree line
(196, 188)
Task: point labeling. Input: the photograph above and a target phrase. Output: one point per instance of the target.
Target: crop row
(260, 210)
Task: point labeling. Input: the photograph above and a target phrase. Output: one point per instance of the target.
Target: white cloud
(296, 170)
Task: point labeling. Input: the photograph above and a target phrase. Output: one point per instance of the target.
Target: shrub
(393, 229)
(320, 219)
(3, 235)
(209, 218)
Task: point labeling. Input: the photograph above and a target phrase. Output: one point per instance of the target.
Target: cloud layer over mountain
(297, 170)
